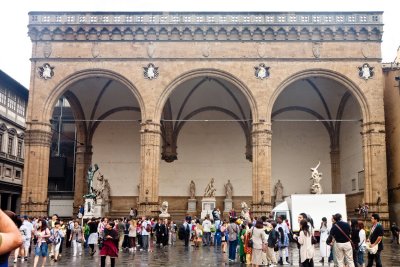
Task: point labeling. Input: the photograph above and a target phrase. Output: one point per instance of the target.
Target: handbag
(250, 241)
(314, 240)
(371, 250)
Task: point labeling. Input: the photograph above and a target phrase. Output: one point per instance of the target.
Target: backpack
(181, 232)
(148, 228)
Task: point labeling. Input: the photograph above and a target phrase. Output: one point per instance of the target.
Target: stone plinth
(89, 208)
(192, 203)
(100, 208)
(207, 206)
(164, 215)
(227, 205)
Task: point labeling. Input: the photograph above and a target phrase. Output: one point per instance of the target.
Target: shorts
(27, 244)
(41, 250)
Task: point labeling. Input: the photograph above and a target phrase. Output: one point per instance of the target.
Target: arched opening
(206, 124)
(316, 118)
(95, 121)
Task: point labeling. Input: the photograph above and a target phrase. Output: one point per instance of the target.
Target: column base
(259, 210)
(34, 209)
(148, 209)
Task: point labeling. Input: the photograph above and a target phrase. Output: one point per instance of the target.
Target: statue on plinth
(210, 189)
(278, 190)
(316, 177)
(90, 175)
(245, 211)
(228, 190)
(192, 190)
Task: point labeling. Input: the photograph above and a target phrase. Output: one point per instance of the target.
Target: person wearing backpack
(233, 233)
(55, 236)
(186, 229)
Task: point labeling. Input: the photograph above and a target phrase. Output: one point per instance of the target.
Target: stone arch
(62, 87)
(215, 73)
(322, 73)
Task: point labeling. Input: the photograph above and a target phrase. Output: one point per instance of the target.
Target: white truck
(315, 205)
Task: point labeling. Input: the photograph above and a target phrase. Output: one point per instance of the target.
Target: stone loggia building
(160, 99)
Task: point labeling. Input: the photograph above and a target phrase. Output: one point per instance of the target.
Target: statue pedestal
(227, 205)
(164, 216)
(89, 208)
(100, 208)
(192, 203)
(207, 206)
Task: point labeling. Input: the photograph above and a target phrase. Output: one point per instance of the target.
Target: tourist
(172, 233)
(77, 238)
(361, 245)
(199, 234)
(132, 235)
(272, 241)
(283, 243)
(55, 235)
(64, 231)
(20, 251)
(324, 233)
(224, 234)
(41, 248)
(145, 233)
(93, 235)
(355, 239)
(207, 230)
(375, 239)
(247, 248)
(121, 232)
(51, 225)
(306, 246)
(242, 234)
(69, 227)
(109, 244)
(233, 232)
(395, 233)
(283, 250)
(260, 241)
(343, 250)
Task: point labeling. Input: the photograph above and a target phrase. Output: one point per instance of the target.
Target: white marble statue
(210, 189)
(278, 190)
(102, 189)
(245, 211)
(164, 209)
(228, 190)
(316, 177)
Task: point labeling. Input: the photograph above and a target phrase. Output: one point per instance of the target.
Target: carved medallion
(150, 72)
(261, 50)
(95, 49)
(151, 48)
(47, 49)
(46, 71)
(261, 71)
(316, 49)
(365, 71)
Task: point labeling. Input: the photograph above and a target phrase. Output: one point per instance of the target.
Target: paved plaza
(181, 256)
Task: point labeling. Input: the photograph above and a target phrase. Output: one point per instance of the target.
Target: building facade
(13, 101)
(160, 99)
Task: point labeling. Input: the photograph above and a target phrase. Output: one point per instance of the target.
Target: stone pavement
(181, 256)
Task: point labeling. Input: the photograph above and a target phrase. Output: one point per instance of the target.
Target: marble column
(261, 182)
(36, 169)
(83, 158)
(374, 150)
(150, 139)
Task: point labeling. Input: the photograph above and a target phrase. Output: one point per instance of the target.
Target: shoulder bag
(354, 246)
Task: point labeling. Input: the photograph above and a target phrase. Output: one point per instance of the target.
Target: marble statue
(192, 190)
(316, 177)
(228, 190)
(210, 189)
(245, 211)
(102, 189)
(278, 190)
(164, 209)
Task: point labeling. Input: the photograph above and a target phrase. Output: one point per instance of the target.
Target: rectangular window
(18, 174)
(361, 180)
(19, 149)
(11, 101)
(353, 184)
(10, 145)
(1, 142)
(3, 96)
(21, 107)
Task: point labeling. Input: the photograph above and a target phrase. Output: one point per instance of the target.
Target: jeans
(207, 238)
(360, 257)
(376, 257)
(145, 242)
(232, 249)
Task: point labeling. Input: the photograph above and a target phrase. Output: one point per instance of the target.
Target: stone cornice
(203, 26)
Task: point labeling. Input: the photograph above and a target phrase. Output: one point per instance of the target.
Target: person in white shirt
(206, 231)
(146, 229)
(286, 231)
(361, 245)
(27, 242)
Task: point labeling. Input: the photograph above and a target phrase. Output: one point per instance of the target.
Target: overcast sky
(16, 46)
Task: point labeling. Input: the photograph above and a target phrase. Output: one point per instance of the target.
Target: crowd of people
(258, 241)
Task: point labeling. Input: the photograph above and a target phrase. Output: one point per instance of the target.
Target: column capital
(150, 127)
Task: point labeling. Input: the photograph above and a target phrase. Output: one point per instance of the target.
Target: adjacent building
(13, 102)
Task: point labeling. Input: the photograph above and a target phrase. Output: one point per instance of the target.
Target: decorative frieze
(270, 26)
(37, 137)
